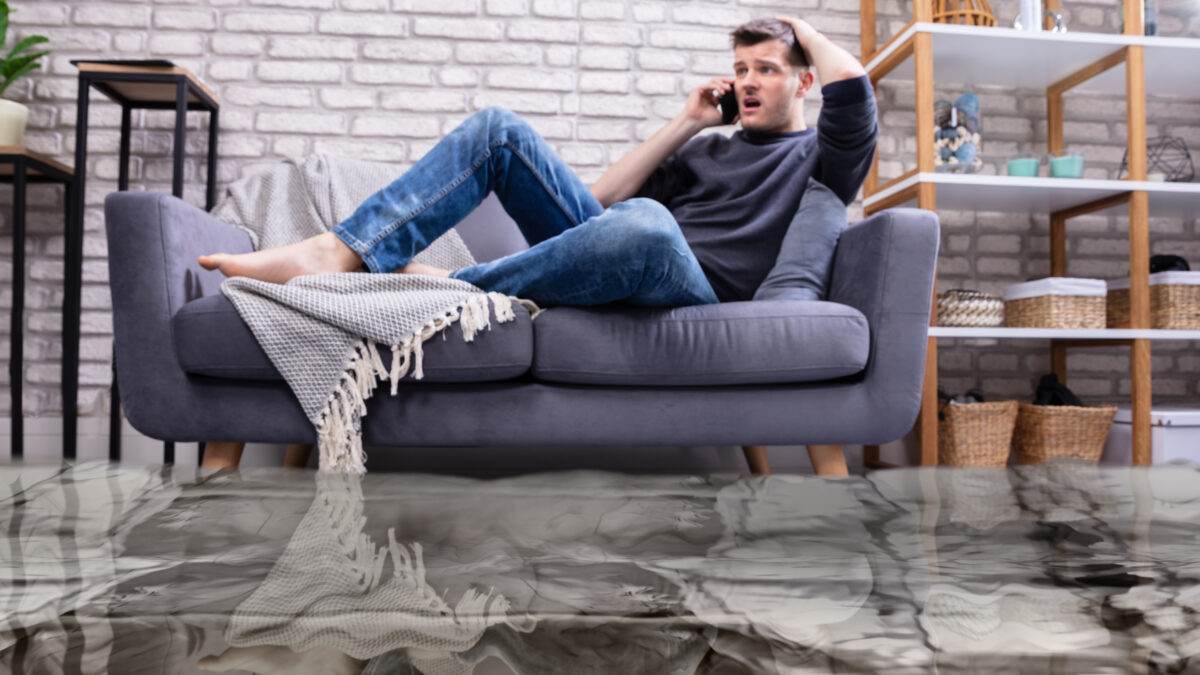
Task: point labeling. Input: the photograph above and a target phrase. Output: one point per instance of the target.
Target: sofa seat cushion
(730, 343)
(211, 339)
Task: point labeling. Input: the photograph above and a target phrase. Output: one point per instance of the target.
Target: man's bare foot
(322, 254)
(418, 268)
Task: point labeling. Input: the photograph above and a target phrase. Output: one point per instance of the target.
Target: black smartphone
(729, 107)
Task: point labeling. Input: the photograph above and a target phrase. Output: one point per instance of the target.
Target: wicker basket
(1055, 311)
(968, 12)
(1172, 306)
(960, 307)
(976, 434)
(1048, 431)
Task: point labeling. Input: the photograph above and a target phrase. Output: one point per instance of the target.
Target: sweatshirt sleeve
(846, 132)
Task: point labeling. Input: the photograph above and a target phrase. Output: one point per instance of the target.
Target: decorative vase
(13, 116)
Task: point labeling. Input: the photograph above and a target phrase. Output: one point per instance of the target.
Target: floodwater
(1058, 568)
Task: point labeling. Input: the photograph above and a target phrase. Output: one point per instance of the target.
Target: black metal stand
(29, 168)
(188, 95)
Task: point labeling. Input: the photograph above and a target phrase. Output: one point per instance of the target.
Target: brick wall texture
(384, 79)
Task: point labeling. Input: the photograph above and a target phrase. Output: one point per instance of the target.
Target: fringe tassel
(339, 434)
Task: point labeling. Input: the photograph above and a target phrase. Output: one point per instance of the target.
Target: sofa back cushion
(760, 342)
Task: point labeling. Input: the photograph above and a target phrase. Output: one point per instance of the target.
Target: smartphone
(729, 107)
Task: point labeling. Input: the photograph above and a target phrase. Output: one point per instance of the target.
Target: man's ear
(806, 83)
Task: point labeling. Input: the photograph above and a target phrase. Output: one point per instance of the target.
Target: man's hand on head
(704, 102)
(800, 27)
(831, 62)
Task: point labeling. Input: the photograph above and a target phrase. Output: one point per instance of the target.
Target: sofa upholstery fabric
(211, 339)
(758, 342)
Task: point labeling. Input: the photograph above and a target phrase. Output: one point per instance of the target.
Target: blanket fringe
(339, 435)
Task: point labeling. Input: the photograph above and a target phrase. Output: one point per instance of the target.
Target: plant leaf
(8, 79)
(27, 43)
(4, 10)
(10, 66)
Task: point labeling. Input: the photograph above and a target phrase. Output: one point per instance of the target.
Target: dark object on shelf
(1166, 262)
(1052, 392)
(944, 399)
(1166, 155)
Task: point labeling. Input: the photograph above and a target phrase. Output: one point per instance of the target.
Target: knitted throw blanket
(323, 332)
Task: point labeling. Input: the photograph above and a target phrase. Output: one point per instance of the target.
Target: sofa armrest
(156, 234)
(884, 267)
(153, 242)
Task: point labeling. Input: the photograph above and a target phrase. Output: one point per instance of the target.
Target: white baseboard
(43, 444)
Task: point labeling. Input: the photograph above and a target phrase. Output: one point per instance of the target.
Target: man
(677, 221)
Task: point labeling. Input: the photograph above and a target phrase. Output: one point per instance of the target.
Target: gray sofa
(846, 371)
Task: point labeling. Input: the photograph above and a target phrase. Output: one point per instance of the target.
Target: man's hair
(759, 30)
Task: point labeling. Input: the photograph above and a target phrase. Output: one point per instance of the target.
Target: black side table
(20, 167)
(155, 85)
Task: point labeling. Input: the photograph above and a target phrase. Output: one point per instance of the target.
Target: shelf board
(976, 192)
(1063, 334)
(1035, 60)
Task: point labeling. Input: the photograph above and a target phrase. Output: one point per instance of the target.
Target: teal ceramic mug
(1025, 167)
(1066, 166)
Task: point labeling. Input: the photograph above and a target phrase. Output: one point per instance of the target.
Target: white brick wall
(383, 79)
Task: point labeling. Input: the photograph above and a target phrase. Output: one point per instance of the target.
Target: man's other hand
(704, 102)
(800, 27)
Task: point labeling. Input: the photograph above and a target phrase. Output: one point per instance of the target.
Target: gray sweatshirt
(735, 197)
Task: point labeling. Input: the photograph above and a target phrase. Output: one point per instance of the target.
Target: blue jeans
(580, 253)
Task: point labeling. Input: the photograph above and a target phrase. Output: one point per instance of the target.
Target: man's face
(766, 86)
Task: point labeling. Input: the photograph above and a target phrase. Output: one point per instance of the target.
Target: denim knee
(503, 124)
(649, 227)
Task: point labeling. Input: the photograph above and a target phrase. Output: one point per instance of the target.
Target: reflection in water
(1063, 568)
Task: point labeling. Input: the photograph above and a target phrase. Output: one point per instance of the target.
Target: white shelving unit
(1128, 65)
(1002, 333)
(976, 192)
(973, 54)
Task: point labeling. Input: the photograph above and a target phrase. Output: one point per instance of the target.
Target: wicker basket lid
(1056, 286)
(1160, 279)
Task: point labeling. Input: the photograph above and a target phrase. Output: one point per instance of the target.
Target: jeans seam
(458, 180)
(554, 196)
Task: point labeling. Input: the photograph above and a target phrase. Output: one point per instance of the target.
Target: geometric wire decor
(1167, 155)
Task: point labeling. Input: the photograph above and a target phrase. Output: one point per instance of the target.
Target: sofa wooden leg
(828, 460)
(297, 456)
(756, 457)
(222, 455)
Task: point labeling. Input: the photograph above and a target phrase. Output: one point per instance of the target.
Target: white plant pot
(13, 116)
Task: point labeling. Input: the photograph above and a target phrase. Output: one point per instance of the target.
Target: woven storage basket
(976, 434)
(1048, 431)
(1055, 311)
(968, 12)
(959, 307)
(1172, 306)
(1056, 302)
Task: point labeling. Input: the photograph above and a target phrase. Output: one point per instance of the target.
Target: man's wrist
(687, 125)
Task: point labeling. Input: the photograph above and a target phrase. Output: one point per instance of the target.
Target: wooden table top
(147, 91)
(6, 169)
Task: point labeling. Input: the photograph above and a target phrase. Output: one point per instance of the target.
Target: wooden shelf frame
(915, 42)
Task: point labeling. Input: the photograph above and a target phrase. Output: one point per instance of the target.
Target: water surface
(1058, 568)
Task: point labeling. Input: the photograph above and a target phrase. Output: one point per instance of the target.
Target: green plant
(13, 66)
